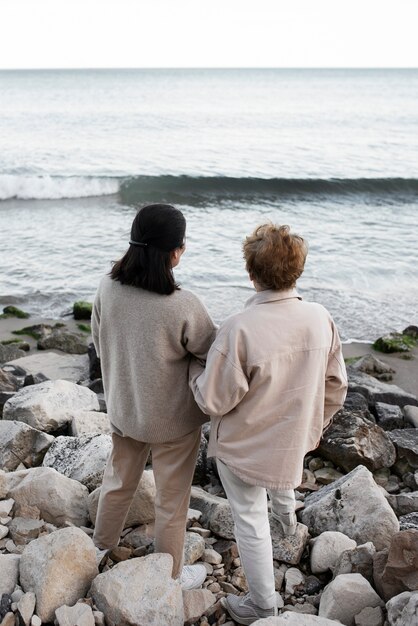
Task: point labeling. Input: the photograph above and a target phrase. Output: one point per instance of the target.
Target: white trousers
(252, 530)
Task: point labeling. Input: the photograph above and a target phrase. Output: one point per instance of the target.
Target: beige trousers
(173, 464)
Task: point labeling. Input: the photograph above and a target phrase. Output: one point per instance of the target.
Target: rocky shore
(352, 561)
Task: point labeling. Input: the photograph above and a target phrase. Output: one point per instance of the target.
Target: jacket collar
(272, 295)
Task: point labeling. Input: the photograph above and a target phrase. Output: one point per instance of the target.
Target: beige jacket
(274, 378)
(145, 342)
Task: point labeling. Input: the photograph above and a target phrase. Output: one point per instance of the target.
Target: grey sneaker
(192, 576)
(244, 611)
(287, 523)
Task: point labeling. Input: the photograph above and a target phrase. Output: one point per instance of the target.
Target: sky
(208, 33)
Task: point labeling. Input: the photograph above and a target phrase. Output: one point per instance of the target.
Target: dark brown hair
(158, 229)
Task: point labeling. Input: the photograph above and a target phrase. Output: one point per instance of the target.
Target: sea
(333, 153)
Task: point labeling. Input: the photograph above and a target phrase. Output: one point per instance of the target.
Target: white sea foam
(55, 187)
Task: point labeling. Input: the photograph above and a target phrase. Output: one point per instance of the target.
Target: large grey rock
(194, 547)
(72, 343)
(140, 592)
(357, 561)
(8, 382)
(406, 443)
(409, 521)
(411, 415)
(49, 406)
(403, 609)
(389, 416)
(9, 569)
(58, 498)
(376, 391)
(373, 366)
(55, 366)
(353, 440)
(216, 512)
(404, 503)
(353, 505)
(10, 352)
(399, 572)
(326, 548)
(59, 568)
(78, 615)
(81, 458)
(89, 422)
(142, 508)
(20, 443)
(345, 596)
(288, 549)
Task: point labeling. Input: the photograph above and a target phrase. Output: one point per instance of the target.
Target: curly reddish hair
(274, 257)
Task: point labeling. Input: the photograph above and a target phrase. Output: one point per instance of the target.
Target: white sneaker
(100, 555)
(192, 576)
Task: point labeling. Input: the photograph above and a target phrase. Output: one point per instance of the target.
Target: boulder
(358, 560)
(353, 505)
(394, 342)
(411, 415)
(9, 568)
(353, 440)
(140, 537)
(81, 458)
(50, 405)
(400, 571)
(406, 444)
(289, 548)
(326, 548)
(373, 366)
(89, 422)
(376, 391)
(140, 592)
(26, 607)
(195, 603)
(389, 416)
(194, 547)
(59, 569)
(409, 521)
(200, 476)
(404, 503)
(403, 609)
(20, 443)
(357, 402)
(8, 382)
(55, 366)
(294, 580)
(71, 343)
(22, 530)
(82, 310)
(346, 596)
(216, 512)
(10, 352)
(58, 498)
(142, 507)
(78, 615)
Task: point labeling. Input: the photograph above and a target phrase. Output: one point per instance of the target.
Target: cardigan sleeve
(222, 384)
(199, 331)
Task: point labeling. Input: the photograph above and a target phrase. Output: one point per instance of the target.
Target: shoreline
(406, 368)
